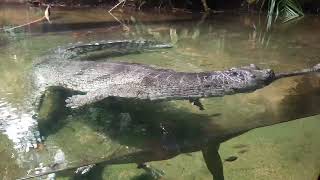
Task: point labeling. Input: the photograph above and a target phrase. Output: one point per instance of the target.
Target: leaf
(271, 9)
(47, 13)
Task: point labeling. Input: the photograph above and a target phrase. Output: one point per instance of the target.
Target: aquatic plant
(283, 10)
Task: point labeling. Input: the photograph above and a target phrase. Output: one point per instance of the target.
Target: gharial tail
(113, 47)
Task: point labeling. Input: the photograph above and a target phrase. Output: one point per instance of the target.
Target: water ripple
(20, 127)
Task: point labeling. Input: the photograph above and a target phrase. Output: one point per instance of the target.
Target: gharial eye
(241, 76)
(234, 73)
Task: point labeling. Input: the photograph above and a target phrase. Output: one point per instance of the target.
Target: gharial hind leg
(76, 101)
(213, 161)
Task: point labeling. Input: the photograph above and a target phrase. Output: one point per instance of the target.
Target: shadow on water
(162, 131)
(305, 103)
(301, 101)
(160, 122)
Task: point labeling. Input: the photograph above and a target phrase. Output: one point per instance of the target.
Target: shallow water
(126, 132)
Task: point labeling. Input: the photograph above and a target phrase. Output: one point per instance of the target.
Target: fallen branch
(126, 28)
(205, 5)
(120, 2)
(46, 16)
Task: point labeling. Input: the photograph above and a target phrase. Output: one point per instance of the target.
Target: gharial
(92, 81)
(97, 80)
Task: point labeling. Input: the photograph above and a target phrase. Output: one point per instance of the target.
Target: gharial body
(97, 80)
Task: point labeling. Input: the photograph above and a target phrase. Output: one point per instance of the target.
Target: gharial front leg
(121, 91)
(196, 102)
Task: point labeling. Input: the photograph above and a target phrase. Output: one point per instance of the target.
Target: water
(126, 132)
